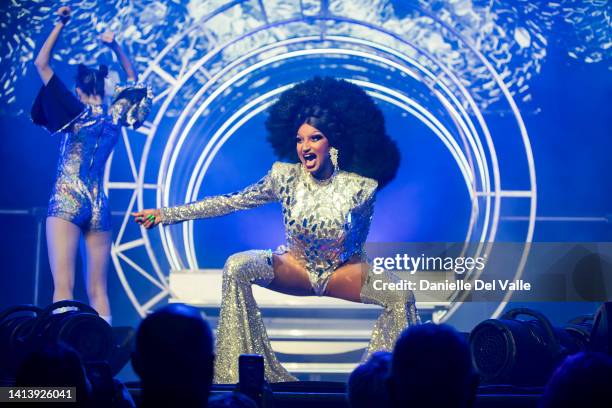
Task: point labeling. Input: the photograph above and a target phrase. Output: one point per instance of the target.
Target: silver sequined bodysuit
(78, 194)
(326, 222)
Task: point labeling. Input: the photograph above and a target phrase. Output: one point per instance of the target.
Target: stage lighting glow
(395, 69)
(516, 34)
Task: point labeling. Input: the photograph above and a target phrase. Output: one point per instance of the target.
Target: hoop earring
(333, 155)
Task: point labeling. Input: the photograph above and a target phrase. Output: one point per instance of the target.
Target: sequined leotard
(78, 195)
(326, 223)
(88, 140)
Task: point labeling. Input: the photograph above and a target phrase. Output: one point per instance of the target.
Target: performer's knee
(235, 267)
(253, 266)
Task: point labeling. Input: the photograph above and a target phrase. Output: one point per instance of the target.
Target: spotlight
(523, 352)
(26, 328)
(77, 325)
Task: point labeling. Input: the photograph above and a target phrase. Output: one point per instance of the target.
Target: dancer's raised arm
(44, 55)
(108, 38)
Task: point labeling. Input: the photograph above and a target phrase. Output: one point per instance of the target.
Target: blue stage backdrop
(501, 111)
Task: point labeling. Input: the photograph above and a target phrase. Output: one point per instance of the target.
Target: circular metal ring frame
(474, 152)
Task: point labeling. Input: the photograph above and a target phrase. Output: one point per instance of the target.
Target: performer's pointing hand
(147, 218)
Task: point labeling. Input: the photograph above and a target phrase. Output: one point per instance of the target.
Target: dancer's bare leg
(62, 244)
(346, 282)
(98, 245)
(290, 277)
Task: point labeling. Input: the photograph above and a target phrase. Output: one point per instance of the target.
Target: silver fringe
(241, 329)
(399, 312)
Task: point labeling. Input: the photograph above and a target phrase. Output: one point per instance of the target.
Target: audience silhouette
(583, 380)
(431, 367)
(56, 365)
(174, 358)
(366, 386)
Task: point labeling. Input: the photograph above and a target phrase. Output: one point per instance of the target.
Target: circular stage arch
(221, 84)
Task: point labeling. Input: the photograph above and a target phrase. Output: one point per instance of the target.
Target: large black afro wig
(349, 119)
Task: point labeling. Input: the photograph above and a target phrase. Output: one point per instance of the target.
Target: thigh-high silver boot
(241, 329)
(399, 311)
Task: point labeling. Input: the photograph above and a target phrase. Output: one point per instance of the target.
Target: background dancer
(78, 204)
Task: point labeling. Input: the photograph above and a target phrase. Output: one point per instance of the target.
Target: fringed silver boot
(241, 329)
(399, 311)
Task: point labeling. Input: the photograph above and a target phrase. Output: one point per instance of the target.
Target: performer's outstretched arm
(108, 38)
(44, 55)
(254, 195)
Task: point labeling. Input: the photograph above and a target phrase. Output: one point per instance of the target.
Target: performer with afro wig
(333, 136)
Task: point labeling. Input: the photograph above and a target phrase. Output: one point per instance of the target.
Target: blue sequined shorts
(82, 205)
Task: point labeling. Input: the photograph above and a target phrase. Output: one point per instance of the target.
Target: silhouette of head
(367, 383)
(56, 365)
(583, 380)
(174, 357)
(429, 358)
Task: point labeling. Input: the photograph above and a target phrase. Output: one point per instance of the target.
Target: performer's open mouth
(310, 160)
